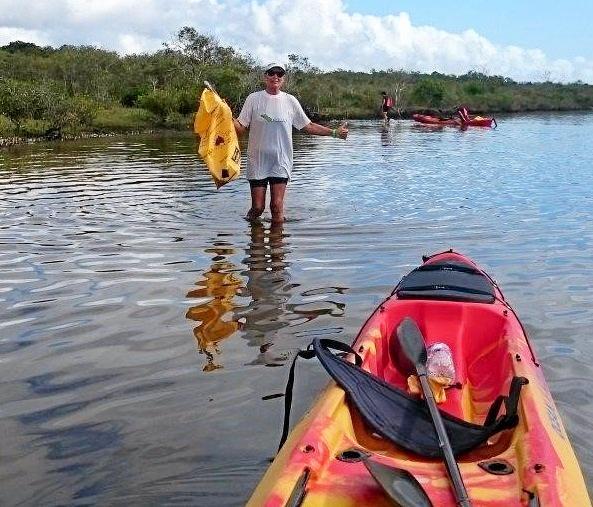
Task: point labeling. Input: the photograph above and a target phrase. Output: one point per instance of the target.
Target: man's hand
(343, 130)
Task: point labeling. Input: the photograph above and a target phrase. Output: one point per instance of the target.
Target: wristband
(334, 133)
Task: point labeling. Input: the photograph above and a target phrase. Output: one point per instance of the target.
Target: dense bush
(43, 104)
(71, 112)
(159, 102)
(6, 127)
(20, 101)
(129, 96)
(429, 92)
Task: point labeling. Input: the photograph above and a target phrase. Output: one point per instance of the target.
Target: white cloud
(9, 34)
(271, 29)
(130, 43)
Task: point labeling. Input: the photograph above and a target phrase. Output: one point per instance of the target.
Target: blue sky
(562, 29)
(526, 41)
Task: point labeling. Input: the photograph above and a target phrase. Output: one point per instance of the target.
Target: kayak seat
(404, 419)
(446, 280)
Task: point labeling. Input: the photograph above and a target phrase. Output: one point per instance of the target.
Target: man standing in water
(386, 105)
(270, 115)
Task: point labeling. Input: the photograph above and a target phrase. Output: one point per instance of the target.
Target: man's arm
(319, 130)
(239, 128)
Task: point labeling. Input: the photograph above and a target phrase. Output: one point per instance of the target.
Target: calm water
(145, 326)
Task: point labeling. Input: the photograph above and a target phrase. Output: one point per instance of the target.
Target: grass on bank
(117, 119)
(125, 119)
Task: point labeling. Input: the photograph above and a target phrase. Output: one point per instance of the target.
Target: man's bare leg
(277, 202)
(258, 202)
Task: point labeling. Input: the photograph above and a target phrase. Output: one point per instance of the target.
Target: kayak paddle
(412, 343)
(399, 484)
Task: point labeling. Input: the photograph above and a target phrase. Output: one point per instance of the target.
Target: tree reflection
(220, 285)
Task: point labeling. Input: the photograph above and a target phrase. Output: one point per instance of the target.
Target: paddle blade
(412, 342)
(399, 484)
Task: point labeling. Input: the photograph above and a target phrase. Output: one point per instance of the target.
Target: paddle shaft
(450, 463)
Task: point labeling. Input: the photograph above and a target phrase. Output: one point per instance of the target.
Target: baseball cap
(271, 66)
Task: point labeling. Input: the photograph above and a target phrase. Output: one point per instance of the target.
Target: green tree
(428, 92)
(86, 70)
(28, 48)
(20, 101)
(205, 50)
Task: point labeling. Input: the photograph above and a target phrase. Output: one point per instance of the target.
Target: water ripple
(146, 324)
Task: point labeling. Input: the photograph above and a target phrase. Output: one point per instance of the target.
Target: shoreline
(7, 142)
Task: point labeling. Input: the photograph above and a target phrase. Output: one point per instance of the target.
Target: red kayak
(476, 121)
(369, 440)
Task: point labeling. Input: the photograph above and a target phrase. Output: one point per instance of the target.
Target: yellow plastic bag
(219, 146)
(437, 385)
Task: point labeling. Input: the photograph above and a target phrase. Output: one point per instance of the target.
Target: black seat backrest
(446, 280)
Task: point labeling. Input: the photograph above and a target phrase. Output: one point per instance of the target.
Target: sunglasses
(277, 73)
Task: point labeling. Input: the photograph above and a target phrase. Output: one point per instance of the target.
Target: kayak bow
(344, 454)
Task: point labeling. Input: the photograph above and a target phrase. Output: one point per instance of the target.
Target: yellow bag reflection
(219, 146)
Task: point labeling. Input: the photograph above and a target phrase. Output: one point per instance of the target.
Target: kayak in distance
(371, 438)
(475, 121)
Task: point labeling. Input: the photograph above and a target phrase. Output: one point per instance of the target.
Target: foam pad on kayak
(446, 280)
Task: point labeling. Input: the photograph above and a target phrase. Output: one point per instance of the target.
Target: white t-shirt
(270, 119)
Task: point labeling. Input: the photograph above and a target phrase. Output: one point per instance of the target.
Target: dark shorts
(265, 181)
(385, 109)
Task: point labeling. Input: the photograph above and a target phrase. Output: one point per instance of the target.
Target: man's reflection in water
(272, 303)
(220, 285)
(386, 137)
(270, 288)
